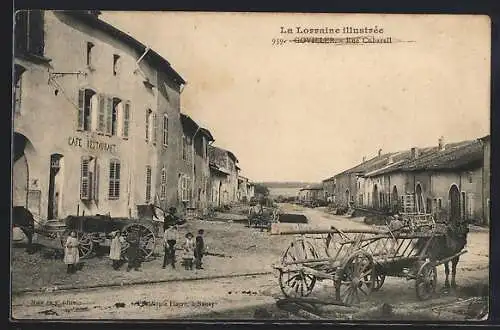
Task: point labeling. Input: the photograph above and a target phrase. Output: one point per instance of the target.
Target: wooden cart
(358, 261)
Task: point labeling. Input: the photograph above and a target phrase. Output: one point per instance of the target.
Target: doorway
(395, 199)
(419, 200)
(375, 197)
(454, 198)
(55, 186)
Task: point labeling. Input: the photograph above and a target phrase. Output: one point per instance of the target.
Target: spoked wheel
(85, 242)
(356, 279)
(147, 239)
(379, 279)
(294, 281)
(426, 281)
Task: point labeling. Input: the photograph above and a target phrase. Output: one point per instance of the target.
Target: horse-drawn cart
(260, 217)
(93, 231)
(358, 261)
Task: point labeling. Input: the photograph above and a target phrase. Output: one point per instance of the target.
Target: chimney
(390, 160)
(379, 152)
(441, 146)
(364, 159)
(414, 153)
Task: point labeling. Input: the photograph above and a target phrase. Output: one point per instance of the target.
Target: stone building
(194, 172)
(311, 193)
(223, 162)
(88, 100)
(245, 189)
(449, 182)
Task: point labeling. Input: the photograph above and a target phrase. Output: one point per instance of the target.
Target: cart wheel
(426, 281)
(86, 245)
(357, 276)
(147, 239)
(294, 282)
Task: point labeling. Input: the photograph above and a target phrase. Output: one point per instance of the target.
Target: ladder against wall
(408, 204)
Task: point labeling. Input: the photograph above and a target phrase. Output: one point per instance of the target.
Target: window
(89, 179)
(154, 128)
(90, 46)
(163, 184)
(18, 72)
(116, 64)
(463, 205)
(115, 113)
(185, 188)
(148, 183)
(148, 124)
(86, 102)
(29, 32)
(114, 179)
(440, 205)
(85, 179)
(165, 130)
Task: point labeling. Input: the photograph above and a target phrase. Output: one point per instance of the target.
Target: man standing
(133, 251)
(170, 237)
(199, 249)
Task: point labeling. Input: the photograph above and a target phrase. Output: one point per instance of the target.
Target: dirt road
(239, 297)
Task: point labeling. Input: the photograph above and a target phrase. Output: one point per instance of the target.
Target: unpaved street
(238, 297)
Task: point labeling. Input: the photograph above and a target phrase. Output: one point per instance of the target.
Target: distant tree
(261, 189)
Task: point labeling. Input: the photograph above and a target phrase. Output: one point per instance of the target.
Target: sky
(305, 112)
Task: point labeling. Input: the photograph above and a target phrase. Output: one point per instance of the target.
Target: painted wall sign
(91, 144)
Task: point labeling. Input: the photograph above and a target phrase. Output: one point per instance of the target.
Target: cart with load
(359, 260)
(95, 230)
(262, 217)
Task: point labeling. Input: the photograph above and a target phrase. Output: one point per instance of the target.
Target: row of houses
(98, 127)
(449, 181)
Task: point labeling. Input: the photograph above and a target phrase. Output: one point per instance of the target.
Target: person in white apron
(71, 253)
(115, 249)
(189, 247)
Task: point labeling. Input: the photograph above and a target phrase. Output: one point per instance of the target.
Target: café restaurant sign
(91, 144)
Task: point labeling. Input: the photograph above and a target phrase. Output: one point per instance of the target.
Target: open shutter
(109, 115)
(81, 108)
(155, 128)
(96, 181)
(36, 32)
(101, 119)
(85, 179)
(126, 119)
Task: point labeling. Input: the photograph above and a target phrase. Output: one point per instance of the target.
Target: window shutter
(81, 108)
(148, 183)
(155, 128)
(117, 179)
(109, 115)
(96, 181)
(147, 125)
(101, 120)
(126, 119)
(21, 31)
(85, 179)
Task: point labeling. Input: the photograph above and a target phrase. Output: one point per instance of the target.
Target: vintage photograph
(250, 166)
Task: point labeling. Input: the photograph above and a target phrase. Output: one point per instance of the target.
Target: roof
(217, 169)
(215, 149)
(188, 123)
(151, 56)
(455, 156)
(313, 187)
(466, 155)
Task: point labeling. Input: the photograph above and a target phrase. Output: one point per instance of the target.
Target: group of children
(193, 248)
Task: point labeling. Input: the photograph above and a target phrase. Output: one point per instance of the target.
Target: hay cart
(93, 231)
(358, 261)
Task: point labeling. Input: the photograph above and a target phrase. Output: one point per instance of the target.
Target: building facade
(85, 116)
(224, 161)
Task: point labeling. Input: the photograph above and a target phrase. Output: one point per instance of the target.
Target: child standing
(71, 253)
(115, 249)
(199, 249)
(189, 247)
